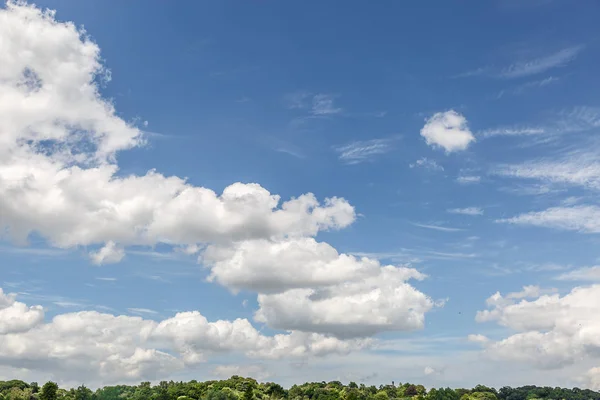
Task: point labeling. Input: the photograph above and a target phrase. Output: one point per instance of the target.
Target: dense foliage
(238, 388)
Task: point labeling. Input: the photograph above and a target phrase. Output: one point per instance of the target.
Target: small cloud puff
(448, 130)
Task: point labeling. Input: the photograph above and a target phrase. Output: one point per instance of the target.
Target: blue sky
(462, 134)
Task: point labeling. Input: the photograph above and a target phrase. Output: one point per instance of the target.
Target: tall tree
(49, 391)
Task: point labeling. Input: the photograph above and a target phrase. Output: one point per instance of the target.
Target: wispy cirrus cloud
(512, 131)
(466, 211)
(567, 121)
(363, 150)
(576, 168)
(541, 64)
(426, 163)
(297, 100)
(527, 86)
(318, 104)
(141, 311)
(529, 67)
(468, 179)
(437, 227)
(583, 274)
(583, 218)
(323, 104)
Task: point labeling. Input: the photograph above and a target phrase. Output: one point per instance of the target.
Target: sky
(300, 191)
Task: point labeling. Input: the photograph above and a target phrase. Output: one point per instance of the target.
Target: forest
(239, 388)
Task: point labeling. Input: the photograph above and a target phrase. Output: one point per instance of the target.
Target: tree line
(239, 388)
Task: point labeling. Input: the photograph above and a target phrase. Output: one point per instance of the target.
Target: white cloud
(384, 302)
(320, 104)
(437, 227)
(16, 317)
(478, 339)
(270, 267)
(592, 378)
(448, 130)
(308, 286)
(58, 175)
(468, 179)
(323, 104)
(529, 67)
(141, 311)
(257, 372)
(107, 348)
(361, 151)
(466, 211)
(552, 331)
(194, 337)
(542, 64)
(529, 85)
(109, 254)
(585, 219)
(575, 169)
(426, 163)
(591, 274)
(297, 100)
(513, 131)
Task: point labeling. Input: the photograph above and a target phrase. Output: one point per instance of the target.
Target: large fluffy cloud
(274, 266)
(58, 175)
(15, 316)
(551, 330)
(383, 302)
(113, 348)
(448, 130)
(308, 286)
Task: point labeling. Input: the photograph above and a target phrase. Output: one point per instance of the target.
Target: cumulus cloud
(552, 331)
(308, 286)
(58, 171)
(269, 267)
(108, 254)
(383, 302)
(15, 316)
(448, 130)
(114, 348)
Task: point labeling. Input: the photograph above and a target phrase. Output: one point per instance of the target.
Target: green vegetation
(238, 388)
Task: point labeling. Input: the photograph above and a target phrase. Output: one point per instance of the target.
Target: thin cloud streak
(437, 227)
(527, 68)
(363, 150)
(542, 64)
(466, 211)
